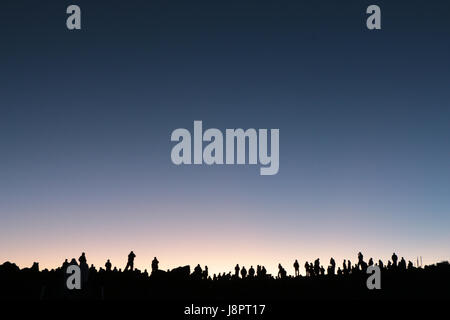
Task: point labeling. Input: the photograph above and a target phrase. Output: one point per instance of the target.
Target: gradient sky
(86, 118)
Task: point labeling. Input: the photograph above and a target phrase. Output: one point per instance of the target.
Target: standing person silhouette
(108, 265)
(84, 268)
(236, 271)
(317, 267)
(308, 272)
(251, 272)
(332, 266)
(155, 263)
(243, 272)
(82, 259)
(394, 260)
(296, 268)
(130, 263)
(360, 258)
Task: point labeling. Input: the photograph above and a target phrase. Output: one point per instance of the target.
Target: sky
(86, 118)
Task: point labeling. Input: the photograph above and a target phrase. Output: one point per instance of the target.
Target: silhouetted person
(108, 265)
(35, 267)
(332, 266)
(263, 271)
(394, 260)
(205, 273)
(349, 266)
(198, 272)
(251, 272)
(402, 264)
(360, 258)
(281, 272)
(65, 264)
(296, 268)
(370, 262)
(361, 263)
(155, 263)
(380, 264)
(236, 271)
(258, 271)
(84, 268)
(317, 267)
(82, 259)
(307, 269)
(130, 263)
(243, 272)
(410, 265)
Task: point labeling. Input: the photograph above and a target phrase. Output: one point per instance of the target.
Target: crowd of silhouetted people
(400, 278)
(312, 269)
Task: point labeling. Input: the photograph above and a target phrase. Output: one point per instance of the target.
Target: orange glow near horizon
(219, 245)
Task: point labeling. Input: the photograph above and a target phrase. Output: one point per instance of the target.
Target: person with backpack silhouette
(130, 263)
(281, 272)
(360, 258)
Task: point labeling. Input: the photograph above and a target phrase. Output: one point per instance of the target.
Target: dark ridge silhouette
(399, 280)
